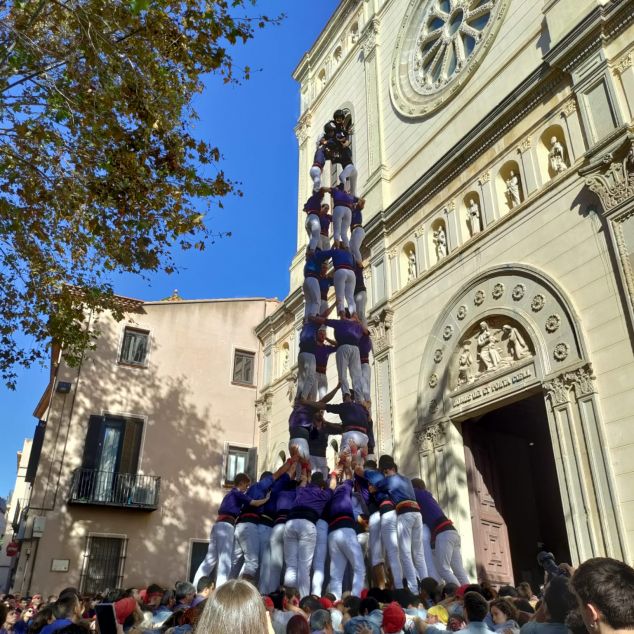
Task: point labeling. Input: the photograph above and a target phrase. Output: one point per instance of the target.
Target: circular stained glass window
(439, 45)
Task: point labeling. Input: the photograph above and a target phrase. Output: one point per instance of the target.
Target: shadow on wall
(181, 444)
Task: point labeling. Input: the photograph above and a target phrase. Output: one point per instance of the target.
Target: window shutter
(131, 448)
(94, 442)
(36, 451)
(252, 464)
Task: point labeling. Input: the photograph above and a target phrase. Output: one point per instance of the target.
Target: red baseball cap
(393, 618)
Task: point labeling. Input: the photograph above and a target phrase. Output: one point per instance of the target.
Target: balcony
(121, 490)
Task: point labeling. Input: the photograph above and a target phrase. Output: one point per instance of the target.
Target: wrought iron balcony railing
(107, 488)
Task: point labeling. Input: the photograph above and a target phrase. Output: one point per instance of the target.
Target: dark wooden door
(493, 553)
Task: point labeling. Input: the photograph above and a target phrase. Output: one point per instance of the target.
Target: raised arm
(328, 397)
(262, 501)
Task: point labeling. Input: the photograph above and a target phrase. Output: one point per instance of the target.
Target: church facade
(494, 145)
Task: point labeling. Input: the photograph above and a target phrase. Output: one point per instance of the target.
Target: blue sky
(252, 124)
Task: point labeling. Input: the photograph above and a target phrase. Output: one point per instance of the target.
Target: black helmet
(339, 114)
(330, 128)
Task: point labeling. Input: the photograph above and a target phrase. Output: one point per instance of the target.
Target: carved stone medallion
(447, 332)
(478, 298)
(498, 291)
(538, 302)
(433, 380)
(438, 356)
(561, 351)
(462, 312)
(518, 292)
(553, 323)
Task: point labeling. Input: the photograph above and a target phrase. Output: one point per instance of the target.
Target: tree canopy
(99, 171)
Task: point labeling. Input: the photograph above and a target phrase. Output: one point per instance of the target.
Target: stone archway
(509, 333)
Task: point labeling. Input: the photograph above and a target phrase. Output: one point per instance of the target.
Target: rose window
(440, 39)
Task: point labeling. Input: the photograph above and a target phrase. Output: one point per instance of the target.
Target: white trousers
(345, 280)
(264, 535)
(306, 379)
(376, 547)
(302, 447)
(343, 548)
(389, 538)
(429, 554)
(341, 219)
(324, 243)
(348, 361)
(248, 539)
(319, 463)
(366, 377)
(312, 296)
(356, 239)
(410, 539)
(219, 553)
(313, 229)
(276, 559)
(322, 385)
(323, 306)
(358, 438)
(315, 175)
(360, 302)
(349, 172)
(319, 558)
(449, 558)
(300, 537)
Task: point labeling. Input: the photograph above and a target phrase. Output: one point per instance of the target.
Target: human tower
(283, 529)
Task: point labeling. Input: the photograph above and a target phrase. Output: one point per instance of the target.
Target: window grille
(103, 564)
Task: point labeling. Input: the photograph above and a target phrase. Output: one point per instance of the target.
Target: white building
(503, 367)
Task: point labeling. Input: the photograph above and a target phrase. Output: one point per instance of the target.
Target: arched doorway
(506, 367)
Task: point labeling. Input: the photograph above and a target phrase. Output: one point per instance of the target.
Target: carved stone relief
(518, 292)
(462, 312)
(495, 343)
(561, 351)
(538, 303)
(498, 290)
(553, 323)
(263, 410)
(380, 329)
(580, 380)
(432, 436)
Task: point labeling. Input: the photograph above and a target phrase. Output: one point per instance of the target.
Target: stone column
(625, 70)
(421, 249)
(370, 64)
(303, 132)
(380, 330)
(451, 223)
(586, 486)
(529, 172)
(393, 271)
(574, 133)
(488, 200)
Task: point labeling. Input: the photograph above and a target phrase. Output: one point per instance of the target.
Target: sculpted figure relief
(475, 221)
(513, 189)
(464, 365)
(487, 352)
(517, 346)
(411, 266)
(556, 156)
(440, 240)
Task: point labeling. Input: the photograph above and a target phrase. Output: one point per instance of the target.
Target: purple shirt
(233, 502)
(365, 347)
(341, 259)
(341, 198)
(324, 286)
(359, 281)
(313, 204)
(322, 352)
(286, 499)
(356, 219)
(347, 331)
(398, 487)
(301, 416)
(429, 508)
(340, 509)
(308, 337)
(313, 498)
(324, 221)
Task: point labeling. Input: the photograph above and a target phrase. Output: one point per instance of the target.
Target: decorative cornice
(419, 232)
(302, 129)
(380, 326)
(570, 107)
(525, 145)
(369, 40)
(485, 177)
(581, 380)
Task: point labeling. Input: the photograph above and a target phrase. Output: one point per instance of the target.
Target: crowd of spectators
(596, 598)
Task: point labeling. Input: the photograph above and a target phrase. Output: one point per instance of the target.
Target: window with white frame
(134, 348)
(236, 462)
(243, 367)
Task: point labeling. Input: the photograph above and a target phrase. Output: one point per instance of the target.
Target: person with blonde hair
(236, 606)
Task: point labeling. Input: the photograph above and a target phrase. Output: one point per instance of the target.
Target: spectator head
(185, 592)
(310, 604)
(406, 598)
(68, 592)
(204, 585)
(352, 605)
(236, 606)
(321, 621)
(456, 623)
(475, 607)
(296, 625)
(265, 474)
(370, 464)
(559, 599)
(11, 617)
(241, 481)
(153, 595)
(449, 590)
(36, 601)
(42, 618)
(507, 591)
(604, 590)
(525, 591)
(502, 610)
(429, 589)
(437, 614)
(67, 606)
(419, 483)
(369, 604)
(488, 591)
(393, 618)
(524, 605)
(28, 614)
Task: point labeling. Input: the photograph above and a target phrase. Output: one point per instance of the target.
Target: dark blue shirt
(400, 490)
(322, 352)
(313, 204)
(429, 508)
(341, 198)
(308, 337)
(359, 281)
(340, 509)
(365, 347)
(357, 218)
(233, 502)
(341, 259)
(324, 286)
